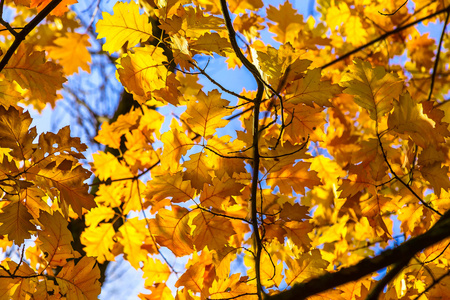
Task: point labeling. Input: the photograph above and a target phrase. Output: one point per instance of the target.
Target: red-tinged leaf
(58, 11)
(15, 220)
(295, 178)
(81, 280)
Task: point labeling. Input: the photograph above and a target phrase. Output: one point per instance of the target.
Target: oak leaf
(373, 88)
(15, 220)
(80, 281)
(125, 25)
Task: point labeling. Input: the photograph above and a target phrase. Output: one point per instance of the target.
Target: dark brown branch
(408, 249)
(26, 30)
(436, 61)
(255, 143)
(383, 36)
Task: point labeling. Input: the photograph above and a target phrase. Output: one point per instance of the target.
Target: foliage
(338, 150)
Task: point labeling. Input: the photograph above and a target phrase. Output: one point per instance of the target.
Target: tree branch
(407, 250)
(26, 30)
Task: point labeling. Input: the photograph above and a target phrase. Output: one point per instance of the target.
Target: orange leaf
(15, 220)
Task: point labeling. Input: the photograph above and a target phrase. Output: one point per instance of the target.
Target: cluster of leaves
(338, 149)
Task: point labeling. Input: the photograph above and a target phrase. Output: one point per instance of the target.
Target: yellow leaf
(31, 71)
(143, 71)
(198, 170)
(134, 232)
(81, 280)
(211, 43)
(165, 185)
(373, 88)
(309, 265)
(211, 231)
(295, 177)
(15, 220)
(312, 89)
(288, 22)
(192, 279)
(206, 114)
(98, 214)
(125, 25)
(408, 118)
(155, 271)
(72, 52)
(19, 287)
(176, 144)
(99, 241)
(172, 230)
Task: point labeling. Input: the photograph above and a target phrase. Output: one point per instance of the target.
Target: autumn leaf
(296, 178)
(311, 89)
(79, 281)
(71, 51)
(373, 88)
(126, 25)
(55, 239)
(99, 241)
(16, 222)
(30, 70)
(206, 114)
(211, 230)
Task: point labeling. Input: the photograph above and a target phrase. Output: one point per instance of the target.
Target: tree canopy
(328, 180)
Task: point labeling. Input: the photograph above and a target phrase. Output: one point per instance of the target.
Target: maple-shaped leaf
(72, 52)
(15, 132)
(166, 185)
(15, 220)
(438, 177)
(298, 233)
(312, 89)
(143, 71)
(206, 114)
(133, 234)
(176, 144)
(59, 10)
(125, 25)
(211, 230)
(72, 190)
(31, 71)
(55, 239)
(155, 271)
(295, 177)
(373, 88)
(35, 201)
(408, 118)
(99, 241)
(20, 286)
(172, 230)
(81, 280)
